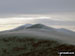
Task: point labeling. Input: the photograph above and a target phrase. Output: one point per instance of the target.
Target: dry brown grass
(31, 47)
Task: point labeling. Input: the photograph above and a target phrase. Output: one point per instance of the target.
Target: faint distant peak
(39, 26)
(22, 27)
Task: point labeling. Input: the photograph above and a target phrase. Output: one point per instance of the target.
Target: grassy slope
(14, 46)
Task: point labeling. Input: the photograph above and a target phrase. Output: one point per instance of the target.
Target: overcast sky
(36, 6)
(50, 12)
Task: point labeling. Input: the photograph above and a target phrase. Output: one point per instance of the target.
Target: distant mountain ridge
(41, 27)
(33, 26)
(41, 31)
(22, 27)
(63, 30)
(38, 26)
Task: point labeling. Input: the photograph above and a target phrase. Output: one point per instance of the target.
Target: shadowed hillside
(14, 46)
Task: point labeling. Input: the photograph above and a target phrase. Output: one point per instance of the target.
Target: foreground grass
(14, 46)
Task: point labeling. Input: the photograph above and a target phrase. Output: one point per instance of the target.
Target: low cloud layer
(17, 12)
(55, 22)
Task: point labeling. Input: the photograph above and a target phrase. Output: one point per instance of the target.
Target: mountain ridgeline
(36, 40)
(42, 27)
(43, 31)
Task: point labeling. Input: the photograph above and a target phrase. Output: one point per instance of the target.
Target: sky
(54, 13)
